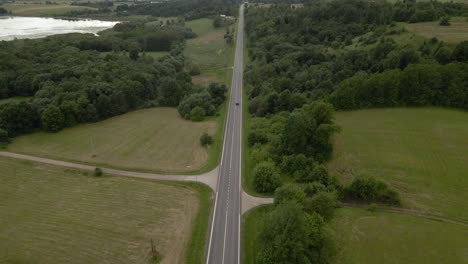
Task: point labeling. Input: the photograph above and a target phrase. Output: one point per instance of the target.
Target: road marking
(225, 229)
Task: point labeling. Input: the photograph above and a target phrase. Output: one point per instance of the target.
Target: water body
(39, 27)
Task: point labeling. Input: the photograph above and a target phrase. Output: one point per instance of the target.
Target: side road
(209, 178)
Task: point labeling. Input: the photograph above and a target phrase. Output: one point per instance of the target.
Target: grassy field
(57, 215)
(210, 52)
(455, 33)
(41, 9)
(421, 152)
(382, 237)
(154, 139)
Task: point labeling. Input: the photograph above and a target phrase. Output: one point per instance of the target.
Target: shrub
(445, 21)
(206, 139)
(266, 177)
(313, 188)
(52, 119)
(98, 172)
(197, 114)
(4, 136)
(371, 190)
(372, 207)
(289, 193)
(323, 203)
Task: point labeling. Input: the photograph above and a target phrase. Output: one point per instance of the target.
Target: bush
(445, 21)
(52, 119)
(206, 139)
(197, 114)
(371, 190)
(289, 193)
(323, 203)
(313, 188)
(372, 207)
(266, 177)
(4, 136)
(98, 172)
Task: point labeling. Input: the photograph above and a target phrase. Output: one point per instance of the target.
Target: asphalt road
(224, 240)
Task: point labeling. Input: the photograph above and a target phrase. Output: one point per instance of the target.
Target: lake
(39, 27)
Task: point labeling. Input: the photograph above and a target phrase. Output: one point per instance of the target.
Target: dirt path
(209, 178)
(411, 212)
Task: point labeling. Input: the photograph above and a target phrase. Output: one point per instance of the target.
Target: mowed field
(55, 215)
(154, 139)
(41, 9)
(455, 33)
(383, 237)
(210, 52)
(421, 152)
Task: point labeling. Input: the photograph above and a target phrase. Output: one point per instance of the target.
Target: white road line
(225, 229)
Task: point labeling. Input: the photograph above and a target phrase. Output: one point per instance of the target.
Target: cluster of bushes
(370, 190)
(202, 102)
(291, 144)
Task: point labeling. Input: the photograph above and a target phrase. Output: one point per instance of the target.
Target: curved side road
(210, 178)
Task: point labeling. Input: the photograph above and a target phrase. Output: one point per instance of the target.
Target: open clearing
(421, 152)
(210, 52)
(56, 215)
(154, 139)
(41, 9)
(382, 237)
(455, 33)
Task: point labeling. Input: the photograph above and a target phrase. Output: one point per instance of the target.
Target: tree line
(70, 81)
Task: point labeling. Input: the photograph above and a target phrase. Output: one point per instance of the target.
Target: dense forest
(306, 61)
(76, 78)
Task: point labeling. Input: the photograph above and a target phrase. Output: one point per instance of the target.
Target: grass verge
(251, 222)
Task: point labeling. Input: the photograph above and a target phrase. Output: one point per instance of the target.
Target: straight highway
(224, 237)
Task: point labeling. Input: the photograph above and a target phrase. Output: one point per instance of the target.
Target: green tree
(443, 55)
(322, 203)
(197, 114)
(4, 136)
(289, 193)
(445, 21)
(52, 119)
(283, 236)
(460, 53)
(266, 177)
(133, 51)
(206, 139)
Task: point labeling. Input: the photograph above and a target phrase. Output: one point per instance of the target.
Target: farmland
(382, 237)
(154, 139)
(456, 32)
(56, 215)
(421, 152)
(209, 52)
